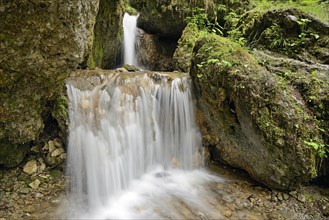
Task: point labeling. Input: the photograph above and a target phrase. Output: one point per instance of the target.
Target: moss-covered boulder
(252, 118)
(167, 18)
(39, 42)
(289, 31)
(108, 33)
(183, 54)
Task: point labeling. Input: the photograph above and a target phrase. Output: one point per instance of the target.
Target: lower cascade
(135, 150)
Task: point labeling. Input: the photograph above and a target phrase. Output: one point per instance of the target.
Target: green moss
(106, 50)
(11, 155)
(183, 54)
(260, 113)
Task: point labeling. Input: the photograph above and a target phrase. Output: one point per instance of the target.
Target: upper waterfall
(129, 39)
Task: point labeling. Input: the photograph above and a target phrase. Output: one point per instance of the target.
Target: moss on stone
(106, 49)
(183, 54)
(261, 122)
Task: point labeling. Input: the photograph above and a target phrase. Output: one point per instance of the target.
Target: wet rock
(30, 167)
(35, 184)
(131, 68)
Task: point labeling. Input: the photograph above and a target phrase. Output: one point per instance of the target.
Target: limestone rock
(30, 167)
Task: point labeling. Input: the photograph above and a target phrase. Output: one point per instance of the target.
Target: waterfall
(129, 39)
(133, 144)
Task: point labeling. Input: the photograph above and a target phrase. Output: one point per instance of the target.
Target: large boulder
(252, 118)
(108, 34)
(39, 42)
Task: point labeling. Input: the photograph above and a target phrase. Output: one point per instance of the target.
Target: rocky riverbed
(40, 195)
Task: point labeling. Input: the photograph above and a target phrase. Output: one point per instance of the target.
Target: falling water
(134, 150)
(129, 38)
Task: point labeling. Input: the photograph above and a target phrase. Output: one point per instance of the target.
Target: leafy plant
(200, 18)
(320, 149)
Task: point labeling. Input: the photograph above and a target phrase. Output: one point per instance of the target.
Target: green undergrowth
(314, 7)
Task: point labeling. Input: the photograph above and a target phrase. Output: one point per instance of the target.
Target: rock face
(106, 52)
(39, 42)
(167, 18)
(252, 118)
(155, 53)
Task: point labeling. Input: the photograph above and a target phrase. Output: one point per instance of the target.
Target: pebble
(227, 213)
(293, 193)
(285, 196)
(57, 152)
(51, 146)
(35, 184)
(30, 167)
(280, 196)
(301, 198)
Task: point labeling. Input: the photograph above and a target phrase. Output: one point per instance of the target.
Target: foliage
(314, 7)
(320, 148)
(201, 19)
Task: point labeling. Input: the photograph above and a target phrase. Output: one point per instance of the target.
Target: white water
(129, 39)
(134, 151)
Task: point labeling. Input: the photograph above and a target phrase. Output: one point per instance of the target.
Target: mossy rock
(48, 39)
(252, 119)
(108, 34)
(183, 54)
(288, 31)
(11, 155)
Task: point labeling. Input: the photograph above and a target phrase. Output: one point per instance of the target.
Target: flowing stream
(135, 150)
